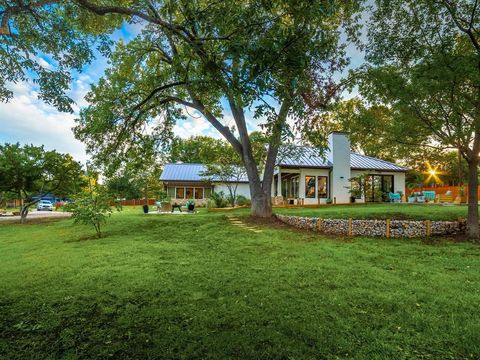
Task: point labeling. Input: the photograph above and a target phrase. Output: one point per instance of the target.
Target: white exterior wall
(301, 187)
(339, 155)
(398, 179)
(242, 189)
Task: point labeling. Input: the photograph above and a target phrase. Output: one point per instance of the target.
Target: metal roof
(310, 157)
(302, 156)
(364, 162)
(188, 172)
(295, 156)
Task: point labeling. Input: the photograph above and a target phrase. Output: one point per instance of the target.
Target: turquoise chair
(394, 197)
(429, 195)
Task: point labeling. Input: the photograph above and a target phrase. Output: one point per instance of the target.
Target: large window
(310, 187)
(322, 186)
(189, 192)
(198, 193)
(180, 193)
(378, 187)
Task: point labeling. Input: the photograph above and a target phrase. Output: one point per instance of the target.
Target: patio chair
(394, 197)
(429, 195)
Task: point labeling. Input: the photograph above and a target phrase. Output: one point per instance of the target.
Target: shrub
(243, 201)
(92, 207)
(219, 199)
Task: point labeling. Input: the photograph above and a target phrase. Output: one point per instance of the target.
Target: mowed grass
(196, 286)
(383, 211)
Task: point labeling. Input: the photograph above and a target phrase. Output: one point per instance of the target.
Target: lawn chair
(429, 195)
(394, 197)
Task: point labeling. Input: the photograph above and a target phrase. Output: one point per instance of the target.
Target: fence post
(349, 226)
(387, 230)
(429, 227)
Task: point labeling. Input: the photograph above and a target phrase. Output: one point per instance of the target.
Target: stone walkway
(239, 223)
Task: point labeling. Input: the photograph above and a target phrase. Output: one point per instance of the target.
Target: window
(207, 193)
(355, 189)
(322, 186)
(188, 193)
(198, 193)
(310, 187)
(171, 192)
(180, 193)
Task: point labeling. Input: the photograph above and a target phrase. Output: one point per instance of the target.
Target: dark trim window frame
(310, 186)
(322, 192)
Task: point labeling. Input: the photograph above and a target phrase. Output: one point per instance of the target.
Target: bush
(92, 207)
(219, 200)
(243, 201)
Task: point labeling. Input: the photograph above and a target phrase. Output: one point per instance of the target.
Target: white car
(44, 205)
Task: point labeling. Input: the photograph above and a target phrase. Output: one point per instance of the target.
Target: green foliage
(31, 170)
(219, 199)
(242, 201)
(47, 40)
(124, 187)
(92, 207)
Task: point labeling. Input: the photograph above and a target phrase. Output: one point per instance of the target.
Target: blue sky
(28, 120)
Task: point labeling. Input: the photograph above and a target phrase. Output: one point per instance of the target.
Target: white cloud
(27, 120)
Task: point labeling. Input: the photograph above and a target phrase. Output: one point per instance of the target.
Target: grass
(382, 211)
(199, 287)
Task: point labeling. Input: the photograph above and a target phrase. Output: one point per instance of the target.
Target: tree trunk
(472, 218)
(24, 213)
(261, 205)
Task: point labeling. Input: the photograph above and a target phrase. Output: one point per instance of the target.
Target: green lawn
(199, 287)
(382, 211)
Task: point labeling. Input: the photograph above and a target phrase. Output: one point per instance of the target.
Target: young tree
(29, 171)
(425, 65)
(92, 206)
(228, 173)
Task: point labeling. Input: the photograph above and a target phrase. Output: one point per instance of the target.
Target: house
(302, 176)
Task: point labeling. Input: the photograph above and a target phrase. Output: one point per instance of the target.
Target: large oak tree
(269, 57)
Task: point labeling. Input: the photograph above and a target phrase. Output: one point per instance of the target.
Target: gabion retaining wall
(395, 228)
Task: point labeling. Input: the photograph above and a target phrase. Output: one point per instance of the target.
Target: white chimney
(339, 156)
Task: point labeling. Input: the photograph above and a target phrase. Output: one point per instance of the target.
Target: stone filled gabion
(398, 228)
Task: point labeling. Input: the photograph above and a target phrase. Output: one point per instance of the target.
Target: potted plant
(190, 204)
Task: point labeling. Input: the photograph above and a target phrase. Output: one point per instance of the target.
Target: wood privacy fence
(136, 202)
(443, 189)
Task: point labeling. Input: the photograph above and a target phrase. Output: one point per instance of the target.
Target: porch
(300, 187)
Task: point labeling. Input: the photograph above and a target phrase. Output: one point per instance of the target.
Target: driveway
(32, 215)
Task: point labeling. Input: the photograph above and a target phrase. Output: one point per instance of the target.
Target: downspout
(330, 184)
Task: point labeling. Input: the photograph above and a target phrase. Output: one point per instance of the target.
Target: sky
(28, 120)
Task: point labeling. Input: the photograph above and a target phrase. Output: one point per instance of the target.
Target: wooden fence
(136, 202)
(443, 189)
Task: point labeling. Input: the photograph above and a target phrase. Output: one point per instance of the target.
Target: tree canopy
(30, 170)
(424, 58)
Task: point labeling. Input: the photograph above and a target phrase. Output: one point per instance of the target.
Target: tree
(92, 207)
(197, 149)
(424, 60)
(213, 56)
(123, 187)
(58, 31)
(228, 173)
(30, 170)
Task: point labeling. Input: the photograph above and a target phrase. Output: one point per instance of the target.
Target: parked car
(44, 205)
